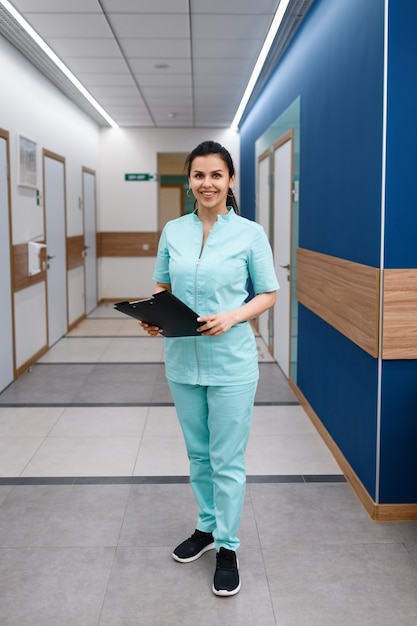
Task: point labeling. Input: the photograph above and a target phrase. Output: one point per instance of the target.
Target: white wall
(133, 206)
(30, 105)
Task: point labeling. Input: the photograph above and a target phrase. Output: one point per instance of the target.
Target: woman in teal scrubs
(206, 259)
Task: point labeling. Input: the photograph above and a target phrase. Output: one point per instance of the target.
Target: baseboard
(377, 512)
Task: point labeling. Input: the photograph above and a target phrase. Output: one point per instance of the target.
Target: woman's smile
(208, 194)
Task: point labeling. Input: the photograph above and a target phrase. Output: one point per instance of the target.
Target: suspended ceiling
(154, 63)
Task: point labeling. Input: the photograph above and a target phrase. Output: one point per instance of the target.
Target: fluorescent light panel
(51, 54)
(269, 40)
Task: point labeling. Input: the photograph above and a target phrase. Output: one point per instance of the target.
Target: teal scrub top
(214, 280)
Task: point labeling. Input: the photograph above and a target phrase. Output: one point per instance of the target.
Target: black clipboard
(165, 310)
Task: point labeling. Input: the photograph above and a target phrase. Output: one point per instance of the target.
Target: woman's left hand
(217, 324)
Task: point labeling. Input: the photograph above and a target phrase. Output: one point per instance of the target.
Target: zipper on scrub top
(196, 308)
(203, 245)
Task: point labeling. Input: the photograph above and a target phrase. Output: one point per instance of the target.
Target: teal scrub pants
(216, 423)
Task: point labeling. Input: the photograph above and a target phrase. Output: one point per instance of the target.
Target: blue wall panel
(399, 432)
(340, 383)
(401, 210)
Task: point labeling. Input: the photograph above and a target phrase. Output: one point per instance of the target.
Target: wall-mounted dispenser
(34, 257)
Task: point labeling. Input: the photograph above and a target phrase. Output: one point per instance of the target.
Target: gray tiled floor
(94, 495)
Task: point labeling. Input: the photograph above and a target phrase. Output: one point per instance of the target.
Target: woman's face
(210, 182)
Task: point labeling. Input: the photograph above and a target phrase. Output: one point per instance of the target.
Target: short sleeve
(261, 264)
(161, 271)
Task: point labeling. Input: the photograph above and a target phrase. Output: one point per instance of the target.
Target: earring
(188, 192)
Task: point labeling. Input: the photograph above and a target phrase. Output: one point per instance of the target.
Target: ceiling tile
(236, 8)
(155, 80)
(70, 47)
(156, 6)
(109, 90)
(208, 96)
(100, 66)
(212, 82)
(230, 67)
(157, 48)
(160, 26)
(57, 6)
(52, 25)
(147, 66)
(172, 103)
(115, 80)
(169, 94)
(227, 26)
(226, 48)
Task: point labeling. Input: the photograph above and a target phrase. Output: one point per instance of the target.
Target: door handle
(48, 256)
(286, 267)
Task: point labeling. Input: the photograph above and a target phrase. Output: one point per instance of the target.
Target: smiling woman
(206, 259)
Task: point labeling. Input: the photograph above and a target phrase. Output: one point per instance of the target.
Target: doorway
(172, 185)
(55, 226)
(277, 153)
(263, 217)
(282, 218)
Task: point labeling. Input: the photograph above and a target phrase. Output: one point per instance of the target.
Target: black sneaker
(226, 577)
(191, 549)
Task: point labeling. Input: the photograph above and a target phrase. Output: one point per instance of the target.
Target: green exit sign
(140, 177)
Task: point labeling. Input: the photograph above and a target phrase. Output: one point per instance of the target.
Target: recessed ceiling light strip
(269, 40)
(51, 54)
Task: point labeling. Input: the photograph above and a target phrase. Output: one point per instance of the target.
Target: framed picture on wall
(26, 161)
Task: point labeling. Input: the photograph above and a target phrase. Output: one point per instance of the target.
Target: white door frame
(7, 340)
(90, 248)
(282, 246)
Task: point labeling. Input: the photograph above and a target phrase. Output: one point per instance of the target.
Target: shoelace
(225, 561)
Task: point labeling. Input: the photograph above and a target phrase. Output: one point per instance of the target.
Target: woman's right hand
(153, 331)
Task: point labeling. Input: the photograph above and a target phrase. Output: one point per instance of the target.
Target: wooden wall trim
(20, 279)
(127, 244)
(75, 251)
(343, 293)
(377, 512)
(399, 328)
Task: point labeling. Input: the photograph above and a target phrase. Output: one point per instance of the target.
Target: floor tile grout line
(54, 363)
(164, 480)
(103, 336)
(12, 405)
